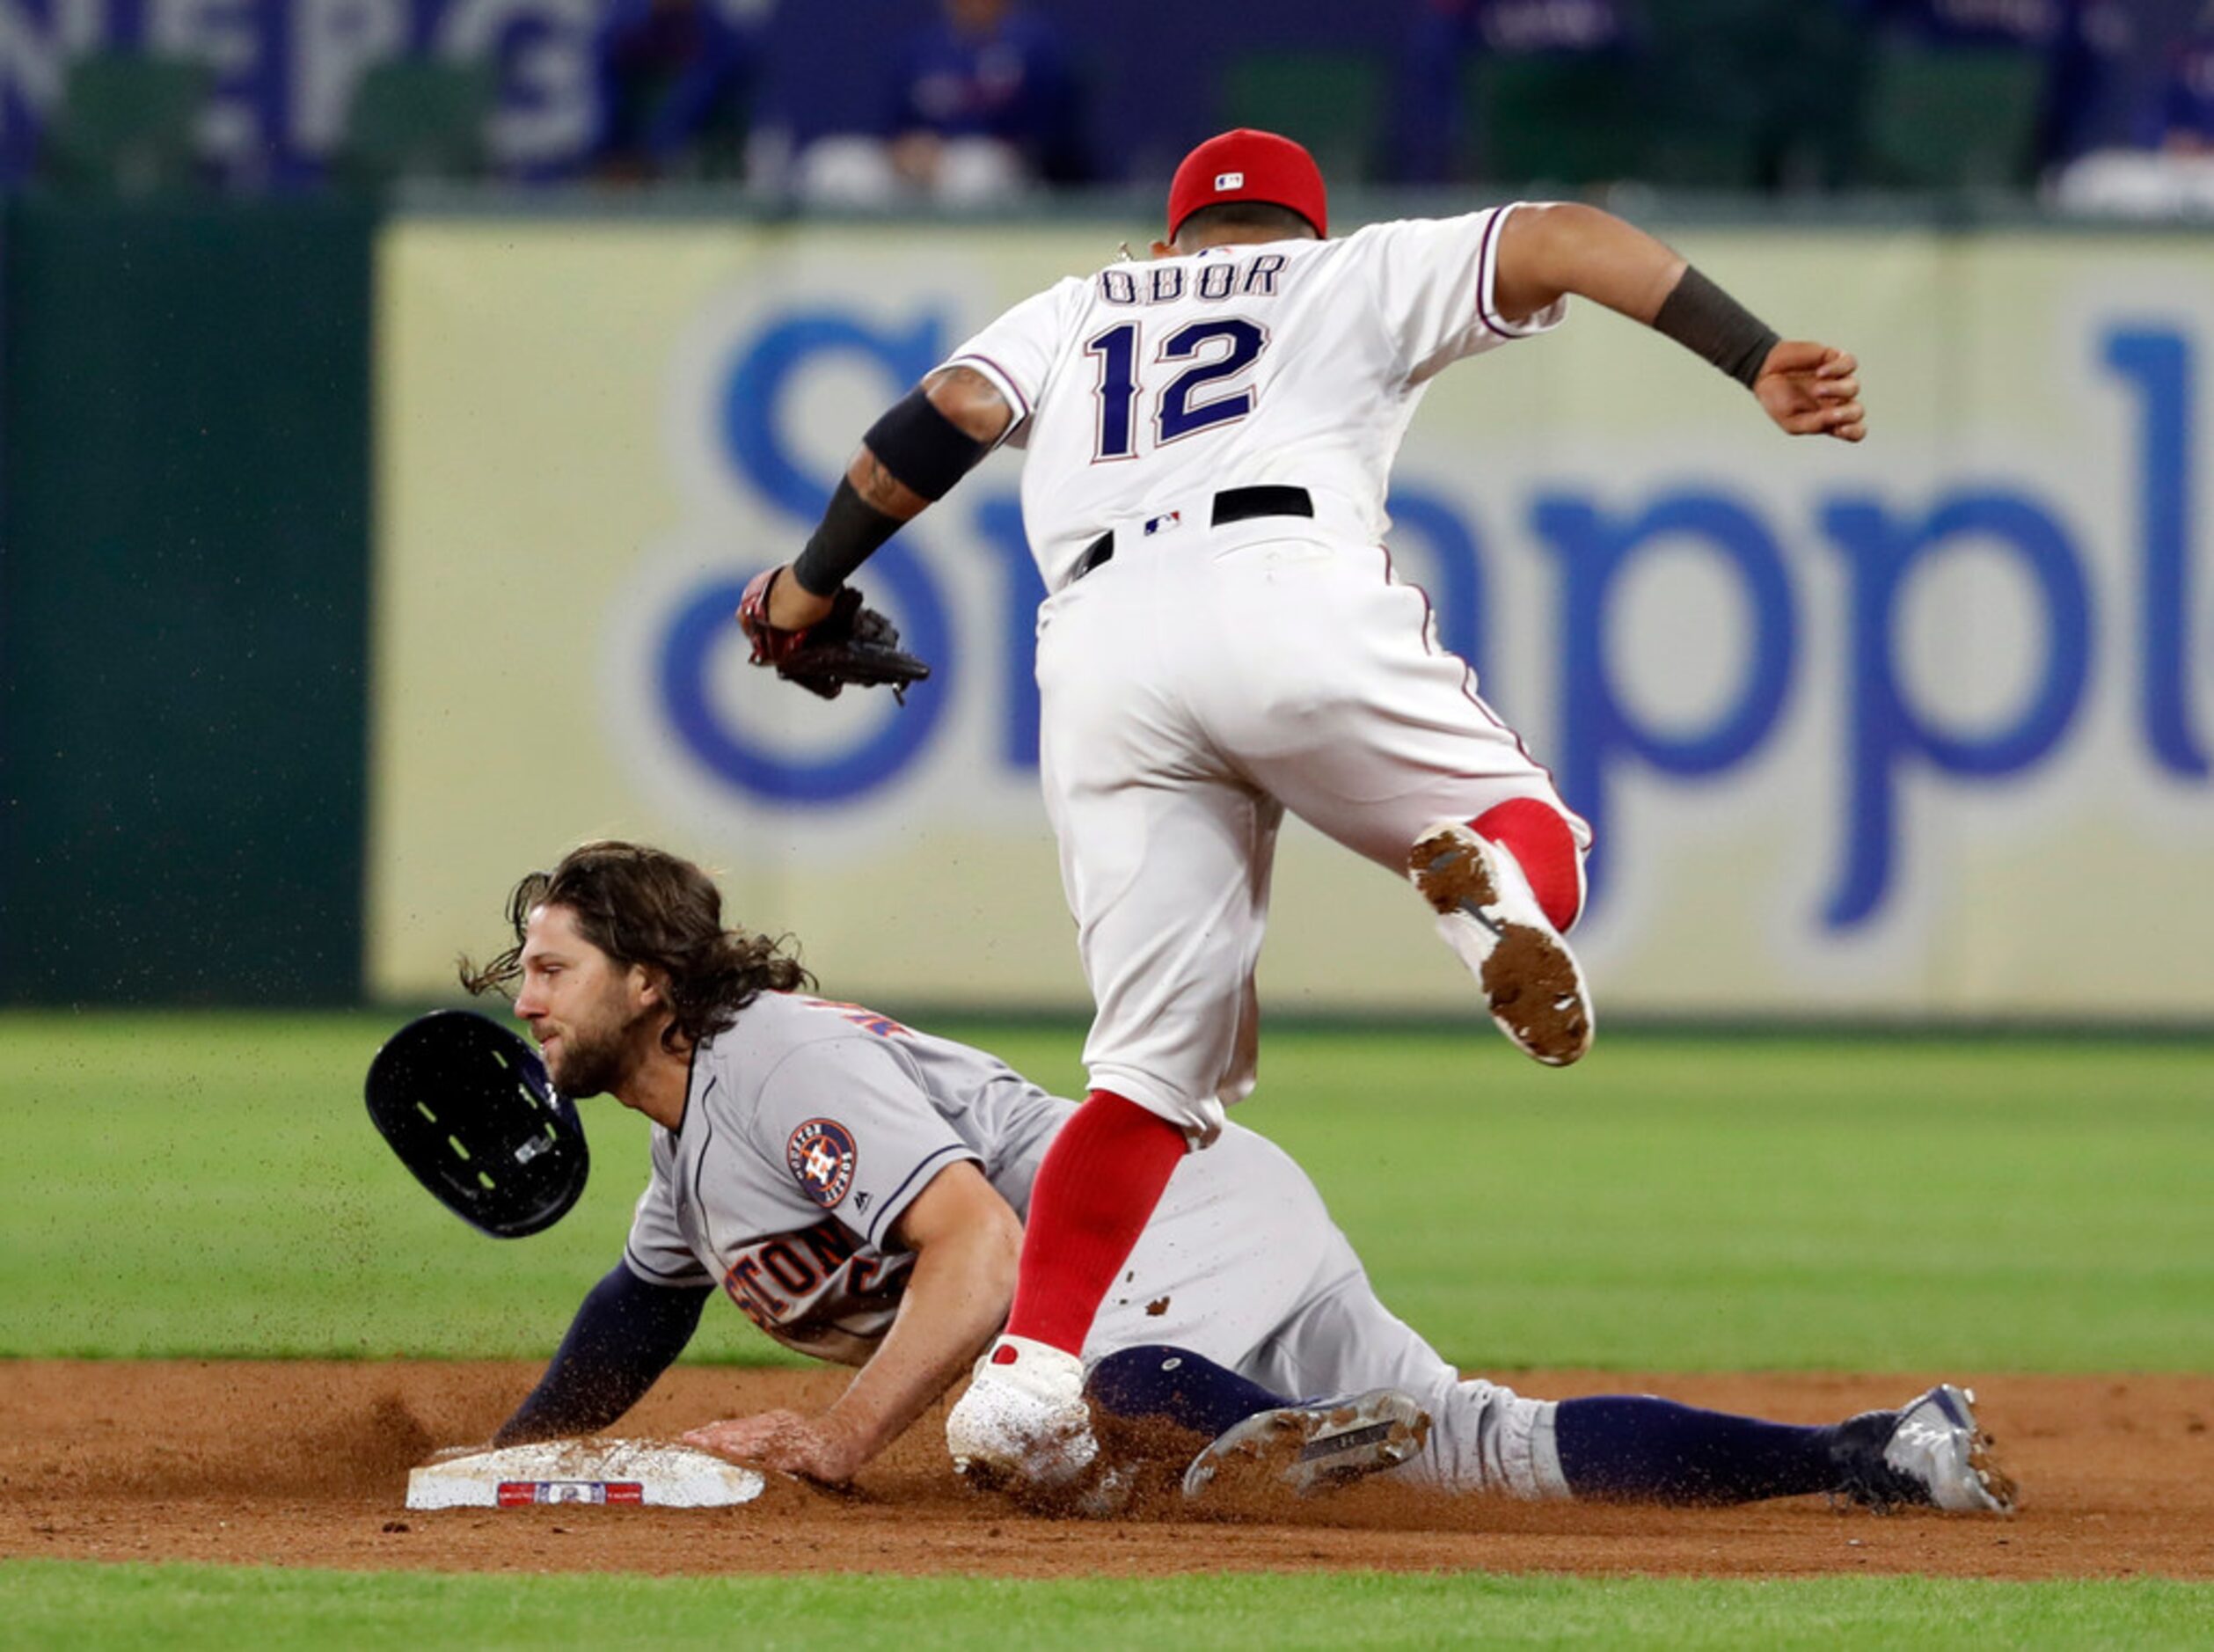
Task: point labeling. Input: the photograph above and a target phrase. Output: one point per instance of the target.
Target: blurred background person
(2181, 116)
(985, 76)
(981, 106)
(2132, 126)
(2104, 63)
(1444, 38)
(1573, 95)
(675, 80)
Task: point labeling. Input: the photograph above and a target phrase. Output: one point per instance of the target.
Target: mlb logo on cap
(1249, 166)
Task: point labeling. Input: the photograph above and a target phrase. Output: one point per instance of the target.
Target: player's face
(588, 1013)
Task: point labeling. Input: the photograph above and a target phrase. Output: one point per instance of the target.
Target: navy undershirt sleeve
(625, 1335)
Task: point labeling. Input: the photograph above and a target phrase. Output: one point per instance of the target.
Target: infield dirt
(304, 1464)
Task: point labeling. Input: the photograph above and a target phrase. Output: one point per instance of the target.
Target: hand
(815, 1448)
(775, 612)
(1812, 389)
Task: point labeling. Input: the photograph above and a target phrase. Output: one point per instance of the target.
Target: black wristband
(1708, 322)
(922, 448)
(848, 535)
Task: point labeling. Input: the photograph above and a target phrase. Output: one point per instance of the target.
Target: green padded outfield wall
(184, 503)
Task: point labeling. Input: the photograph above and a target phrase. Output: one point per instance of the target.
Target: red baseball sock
(1542, 846)
(1094, 1194)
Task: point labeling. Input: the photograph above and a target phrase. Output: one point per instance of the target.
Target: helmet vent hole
(462, 1152)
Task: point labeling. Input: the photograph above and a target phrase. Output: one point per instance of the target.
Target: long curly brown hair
(641, 905)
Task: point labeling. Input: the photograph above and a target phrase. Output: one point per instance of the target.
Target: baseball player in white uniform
(857, 1188)
(1209, 438)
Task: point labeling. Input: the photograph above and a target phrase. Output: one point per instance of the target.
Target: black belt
(1232, 504)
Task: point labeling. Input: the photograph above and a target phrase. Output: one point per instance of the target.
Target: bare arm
(1546, 253)
(966, 1241)
(968, 399)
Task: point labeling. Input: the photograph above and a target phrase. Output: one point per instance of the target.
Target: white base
(618, 1473)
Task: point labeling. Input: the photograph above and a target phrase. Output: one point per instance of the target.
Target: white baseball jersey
(1204, 679)
(1150, 384)
(810, 1126)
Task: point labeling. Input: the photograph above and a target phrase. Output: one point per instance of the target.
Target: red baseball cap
(1249, 166)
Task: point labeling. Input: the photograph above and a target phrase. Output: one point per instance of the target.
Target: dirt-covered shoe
(1928, 1451)
(1486, 914)
(1307, 1449)
(1023, 1422)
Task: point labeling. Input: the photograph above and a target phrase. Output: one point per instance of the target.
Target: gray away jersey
(808, 1127)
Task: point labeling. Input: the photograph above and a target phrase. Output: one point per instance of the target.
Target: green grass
(210, 1185)
(1694, 1205)
(91, 1606)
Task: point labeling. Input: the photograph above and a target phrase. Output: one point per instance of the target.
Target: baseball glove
(854, 644)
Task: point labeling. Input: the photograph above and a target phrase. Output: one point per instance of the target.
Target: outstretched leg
(1612, 1447)
(1635, 1446)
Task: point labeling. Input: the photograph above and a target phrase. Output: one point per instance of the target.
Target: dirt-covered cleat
(1929, 1453)
(1310, 1448)
(1023, 1424)
(1488, 915)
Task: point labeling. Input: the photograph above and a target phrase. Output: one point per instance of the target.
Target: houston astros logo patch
(821, 1156)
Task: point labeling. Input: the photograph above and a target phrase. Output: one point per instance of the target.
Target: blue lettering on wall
(1455, 575)
(1881, 553)
(1597, 725)
(753, 430)
(753, 423)
(1021, 592)
(284, 73)
(1603, 730)
(2157, 363)
(702, 625)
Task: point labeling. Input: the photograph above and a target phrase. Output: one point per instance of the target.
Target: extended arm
(910, 458)
(625, 1335)
(966, 1242)
(1547, 252)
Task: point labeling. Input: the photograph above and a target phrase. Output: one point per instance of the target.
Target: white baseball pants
(1194, 688)
(1242, 1263)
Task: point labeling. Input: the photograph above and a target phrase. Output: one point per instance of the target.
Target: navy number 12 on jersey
(1176, 415)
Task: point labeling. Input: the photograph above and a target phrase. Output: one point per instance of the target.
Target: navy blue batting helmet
(466, 1104)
